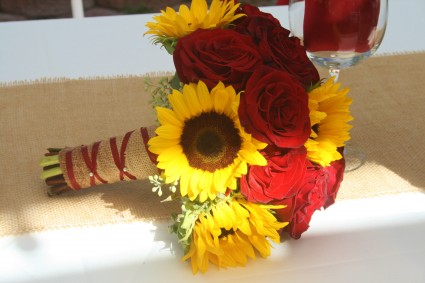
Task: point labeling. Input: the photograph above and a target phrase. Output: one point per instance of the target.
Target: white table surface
(369, 240)
(110, 46)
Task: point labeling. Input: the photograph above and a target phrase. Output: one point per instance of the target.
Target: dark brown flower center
(210, 141)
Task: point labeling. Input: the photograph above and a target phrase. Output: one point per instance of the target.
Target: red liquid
(340, 25)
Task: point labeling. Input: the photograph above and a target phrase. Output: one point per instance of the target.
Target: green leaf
(175, 82)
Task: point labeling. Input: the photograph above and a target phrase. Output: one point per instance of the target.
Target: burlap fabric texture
(122, 158)
(388, 106)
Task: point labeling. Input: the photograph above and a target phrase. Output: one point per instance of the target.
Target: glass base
(337, 59)
(354, 157)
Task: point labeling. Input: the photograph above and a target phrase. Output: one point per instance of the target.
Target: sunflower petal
(167, 116)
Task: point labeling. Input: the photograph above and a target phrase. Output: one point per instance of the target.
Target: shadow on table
(137, 198)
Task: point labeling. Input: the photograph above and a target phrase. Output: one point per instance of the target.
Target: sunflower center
(210, 141)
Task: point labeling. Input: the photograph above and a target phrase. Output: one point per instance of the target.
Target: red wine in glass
(338, 34)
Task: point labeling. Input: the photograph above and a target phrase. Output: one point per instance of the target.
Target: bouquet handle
(121, 158)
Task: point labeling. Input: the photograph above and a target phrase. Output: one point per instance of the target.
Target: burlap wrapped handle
(122, 158)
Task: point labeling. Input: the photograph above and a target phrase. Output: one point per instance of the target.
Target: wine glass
(338, 34)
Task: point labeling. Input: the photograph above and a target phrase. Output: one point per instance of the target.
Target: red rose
(311, 196)
(253, 11)
(216, 55)
(256, 23)
(318, 189)
(277, 48)
(286, 53)
(274, 109)
(335, 173)
(279, 179)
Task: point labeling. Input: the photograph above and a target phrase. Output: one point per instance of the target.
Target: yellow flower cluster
(172, 24)
(231, 233)
(329, 116)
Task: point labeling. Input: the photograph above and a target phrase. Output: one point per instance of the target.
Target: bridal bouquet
(249, 139)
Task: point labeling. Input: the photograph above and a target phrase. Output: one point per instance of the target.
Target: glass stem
(334, 72)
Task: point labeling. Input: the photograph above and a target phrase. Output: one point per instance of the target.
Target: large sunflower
(201, 142)
(329, 115)
(232, 231)
(171, 24)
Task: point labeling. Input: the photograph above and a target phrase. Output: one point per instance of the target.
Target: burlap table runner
(388, 108)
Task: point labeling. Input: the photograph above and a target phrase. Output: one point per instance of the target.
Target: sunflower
(171, 24)
(329, 115)
(231, 232)
(201, 142)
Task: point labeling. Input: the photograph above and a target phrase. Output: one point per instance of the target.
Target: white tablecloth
(115, 45)
(368, 240)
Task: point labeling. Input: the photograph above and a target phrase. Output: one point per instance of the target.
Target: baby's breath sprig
(159, 91)
(158, 183)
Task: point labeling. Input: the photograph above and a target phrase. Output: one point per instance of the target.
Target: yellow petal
(204, 96)
(167, 116)
(221, 98)
(169, 132)
(179, 106)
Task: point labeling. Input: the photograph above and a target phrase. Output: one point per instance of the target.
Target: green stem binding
(52, 173)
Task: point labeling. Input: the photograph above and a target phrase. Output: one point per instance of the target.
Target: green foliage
(168, 43)
(316, 85)
(185, 222)
(159, 92)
